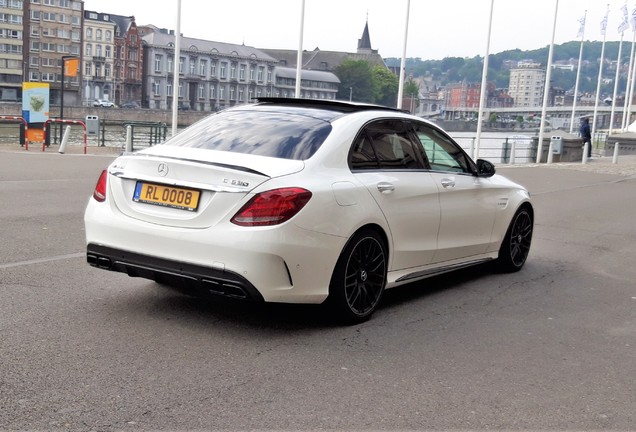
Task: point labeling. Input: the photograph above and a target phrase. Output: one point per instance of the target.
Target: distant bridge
(559, 116)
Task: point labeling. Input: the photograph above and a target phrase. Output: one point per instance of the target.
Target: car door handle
(448, 183)
(386, 188)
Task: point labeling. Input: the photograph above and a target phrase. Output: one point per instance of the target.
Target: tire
(359, 278)
(515, 246)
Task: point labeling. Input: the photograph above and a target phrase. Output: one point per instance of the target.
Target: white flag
(624, 25)
(604, 23)
(581, 32)
(634, 20)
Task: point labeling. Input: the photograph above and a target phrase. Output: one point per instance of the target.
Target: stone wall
(627, 144)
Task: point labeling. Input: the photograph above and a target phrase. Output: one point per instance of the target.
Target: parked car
(103, 103)
(130, 105)
(305, 201)
(184, 106)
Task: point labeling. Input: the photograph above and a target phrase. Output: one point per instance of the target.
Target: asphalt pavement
(552, 347)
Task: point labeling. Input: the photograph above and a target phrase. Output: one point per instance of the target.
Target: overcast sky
(437, 28)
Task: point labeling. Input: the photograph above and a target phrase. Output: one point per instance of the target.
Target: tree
(356, 80)
(385, 86)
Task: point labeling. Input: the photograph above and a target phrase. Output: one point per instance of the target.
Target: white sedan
(304, 201)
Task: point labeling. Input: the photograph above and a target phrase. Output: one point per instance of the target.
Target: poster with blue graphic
(35, 102)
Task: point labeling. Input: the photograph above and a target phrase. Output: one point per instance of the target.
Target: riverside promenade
(626, 165)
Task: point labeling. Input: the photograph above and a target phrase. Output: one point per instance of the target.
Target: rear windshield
(276, 134)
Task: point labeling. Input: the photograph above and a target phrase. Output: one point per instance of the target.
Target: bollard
(550, 150)
(512, 153)
(67, 132)
(585, 147)
(615, 158)
(129, 145)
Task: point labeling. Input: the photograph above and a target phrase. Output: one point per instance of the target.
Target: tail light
(272, 207)
(100, 188)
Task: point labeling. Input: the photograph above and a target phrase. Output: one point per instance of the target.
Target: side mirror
(485, 168)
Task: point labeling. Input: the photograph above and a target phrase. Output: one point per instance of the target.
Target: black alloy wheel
(516, 244)
(359, 278)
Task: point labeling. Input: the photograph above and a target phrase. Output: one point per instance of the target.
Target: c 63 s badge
(233, 182)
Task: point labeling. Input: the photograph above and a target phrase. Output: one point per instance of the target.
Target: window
(181, 61)
(385, 144)
(261, 72)
(169, 88)
(232, 92)
(158, 59)
(88, 68)
(212, 91)
(107, 70)
(201, 91)
(98, 50)
(88, 50)
(203, 66)
(252, 73)
(156, 88)
(242, 73)
(109, 36)
(170, 66)
(441, 152)
(213, 69)
(108, 48)
(180, 89)
(98, 34)
(223, 68)
(193, 65)
(222, 92)
(233, 71)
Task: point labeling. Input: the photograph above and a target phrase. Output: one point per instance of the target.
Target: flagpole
(628, 84)
(618, 67)
(484, 84)
(546, 90)
(578, 75)
(629, 90)
(403, 61)
(299, 55)
(600, 72)
(175, 77)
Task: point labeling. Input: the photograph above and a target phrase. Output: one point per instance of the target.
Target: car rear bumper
(195, 277)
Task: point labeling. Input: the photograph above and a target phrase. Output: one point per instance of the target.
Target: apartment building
(128, 61)
(527, 82)
(98, 60)
(11, 49)
(212, 75)
(54, 31)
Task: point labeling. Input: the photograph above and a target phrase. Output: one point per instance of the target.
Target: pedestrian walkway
(625, 166)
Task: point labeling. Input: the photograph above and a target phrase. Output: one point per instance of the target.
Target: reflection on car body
(305, 201)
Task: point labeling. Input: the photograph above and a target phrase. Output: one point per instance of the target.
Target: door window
(385, 144)
(443, 154)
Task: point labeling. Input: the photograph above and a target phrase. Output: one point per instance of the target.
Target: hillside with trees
(457, 69)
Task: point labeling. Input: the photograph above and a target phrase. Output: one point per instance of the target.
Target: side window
(442, 153)
(385, 144)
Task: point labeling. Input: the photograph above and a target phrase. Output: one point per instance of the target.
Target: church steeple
(364, 43)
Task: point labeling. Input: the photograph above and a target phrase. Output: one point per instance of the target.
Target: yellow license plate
(167, 196)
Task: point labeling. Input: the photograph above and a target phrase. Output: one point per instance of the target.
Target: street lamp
(70, 66)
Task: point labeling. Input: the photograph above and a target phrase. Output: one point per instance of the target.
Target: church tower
(364, 43)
